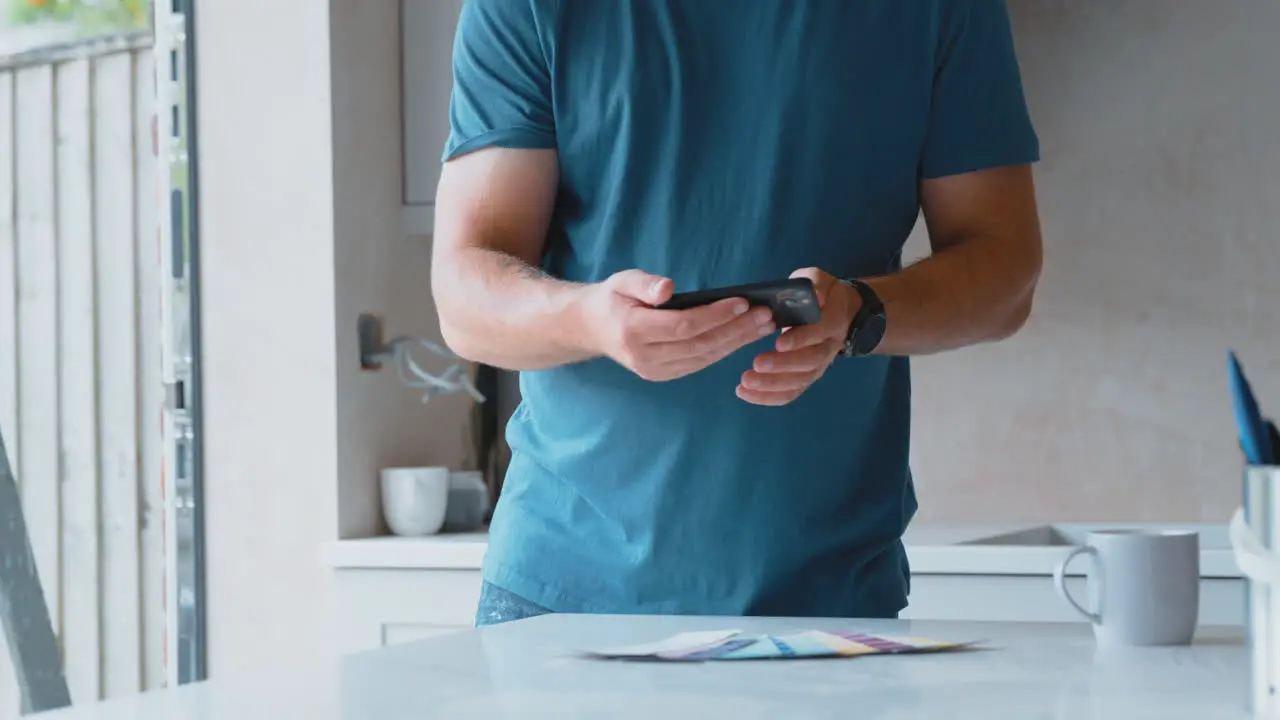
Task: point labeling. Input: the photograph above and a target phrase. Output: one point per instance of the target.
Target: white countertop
(522, 670)
(447, 551)
(931, 549)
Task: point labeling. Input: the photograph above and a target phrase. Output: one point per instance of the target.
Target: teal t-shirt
(719, 142)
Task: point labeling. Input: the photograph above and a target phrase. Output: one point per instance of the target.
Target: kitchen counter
(1008, 549)
(393, 590)
(447, 551)
(523, 670)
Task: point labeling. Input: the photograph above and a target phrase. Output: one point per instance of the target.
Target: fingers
(777, 382)
(768, 399)
(810, 359)
(661, 326)
(785, 372)
(718, 344)
(779, 378)
(666, 344)
(642, 286)
(807, 336)
(675, 358)
(834, 325)
(821, 281)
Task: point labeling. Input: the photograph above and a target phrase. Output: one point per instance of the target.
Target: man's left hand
(803, 353)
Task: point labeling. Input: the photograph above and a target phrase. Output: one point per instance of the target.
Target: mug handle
(1254, 560)
(1060, 581)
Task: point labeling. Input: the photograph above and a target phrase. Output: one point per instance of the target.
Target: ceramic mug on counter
(1144, 586)
(414, 499)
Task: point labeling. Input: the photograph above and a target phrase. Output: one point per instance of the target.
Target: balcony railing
(81, 390)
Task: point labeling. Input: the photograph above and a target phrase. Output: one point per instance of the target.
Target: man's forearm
(975, 291)
(498, 310)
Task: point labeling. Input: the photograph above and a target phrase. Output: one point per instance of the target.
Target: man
(607, 153)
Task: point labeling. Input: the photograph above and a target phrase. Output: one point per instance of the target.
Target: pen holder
(1255, 541)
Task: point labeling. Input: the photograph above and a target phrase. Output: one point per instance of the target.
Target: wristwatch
(866, 330)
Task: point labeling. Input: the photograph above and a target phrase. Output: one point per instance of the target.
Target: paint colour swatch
(732, 645)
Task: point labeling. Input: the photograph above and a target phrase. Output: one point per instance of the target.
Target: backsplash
(1158, 193)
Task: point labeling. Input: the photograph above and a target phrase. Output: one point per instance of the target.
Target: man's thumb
(648, 289)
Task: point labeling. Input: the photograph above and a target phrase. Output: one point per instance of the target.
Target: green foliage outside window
(90, 16)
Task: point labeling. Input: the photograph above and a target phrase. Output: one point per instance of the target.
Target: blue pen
(1255, 438)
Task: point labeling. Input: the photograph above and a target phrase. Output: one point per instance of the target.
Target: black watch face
(868, 337)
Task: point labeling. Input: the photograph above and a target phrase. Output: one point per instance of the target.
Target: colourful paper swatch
(733, 645)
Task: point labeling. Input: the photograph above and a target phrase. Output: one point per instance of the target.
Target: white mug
(1144, 586)
(414, 500)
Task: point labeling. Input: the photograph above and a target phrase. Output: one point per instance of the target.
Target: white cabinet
(427, 45)
(378, 607)
(392, 590)
(1032, 598)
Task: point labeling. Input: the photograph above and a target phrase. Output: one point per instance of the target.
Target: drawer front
(400, 633)
(388, 607)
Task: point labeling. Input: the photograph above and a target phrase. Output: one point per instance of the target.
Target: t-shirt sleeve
(501, 80)
(978, 118)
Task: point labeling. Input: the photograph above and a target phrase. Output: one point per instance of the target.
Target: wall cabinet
(427, 48)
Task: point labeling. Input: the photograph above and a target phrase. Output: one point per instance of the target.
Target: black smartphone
(794, 302)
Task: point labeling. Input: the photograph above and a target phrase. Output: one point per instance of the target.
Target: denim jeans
(499, 606)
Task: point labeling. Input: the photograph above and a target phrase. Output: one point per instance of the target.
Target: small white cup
(414, 500)
(1144, 586)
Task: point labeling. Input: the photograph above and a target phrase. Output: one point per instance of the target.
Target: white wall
(1158, 191)
(300, 190)
(266, 245)
(380, 422)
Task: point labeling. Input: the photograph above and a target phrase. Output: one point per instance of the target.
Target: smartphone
(794, 302)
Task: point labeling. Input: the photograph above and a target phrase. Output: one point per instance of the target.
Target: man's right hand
(623, 323)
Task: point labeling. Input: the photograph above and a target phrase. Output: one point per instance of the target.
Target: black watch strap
(866, 330)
